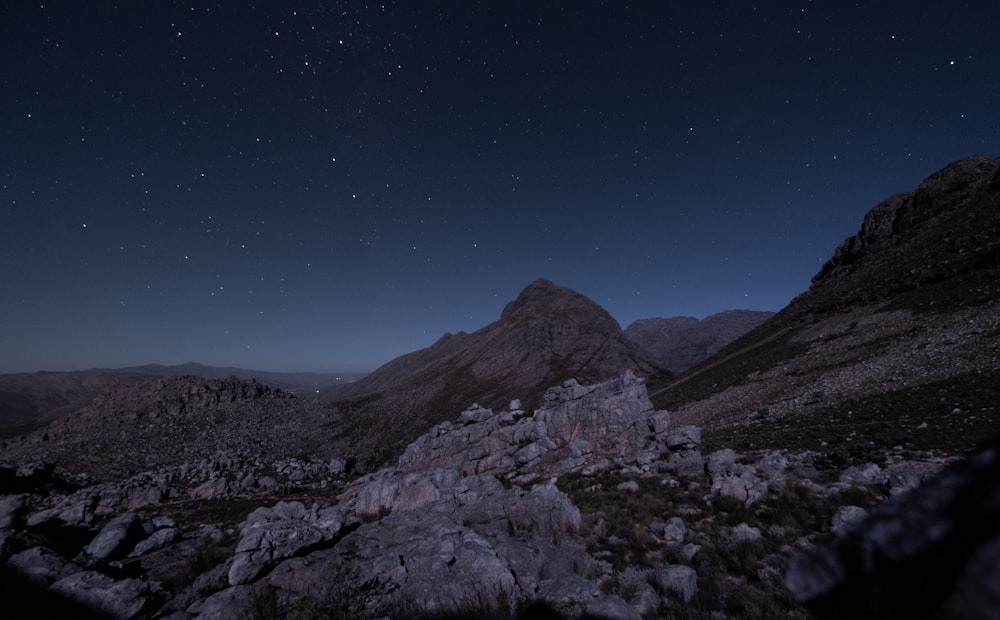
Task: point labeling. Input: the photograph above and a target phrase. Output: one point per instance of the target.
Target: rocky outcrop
(680, 342)
(933, 552)
(270, 535)
(577, 426)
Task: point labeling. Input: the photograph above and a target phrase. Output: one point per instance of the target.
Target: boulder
(124, 599)
(864, 474)
(734, 479)
(157, 540)
(117, 537)
(684, 438)
(671, 532)
(845, 516)
(269, 535)
(41, 566)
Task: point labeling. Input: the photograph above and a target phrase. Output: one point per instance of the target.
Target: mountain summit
(549, 333)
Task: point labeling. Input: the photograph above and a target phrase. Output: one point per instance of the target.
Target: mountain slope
(546, 335)
(680, 342)
(896, 342)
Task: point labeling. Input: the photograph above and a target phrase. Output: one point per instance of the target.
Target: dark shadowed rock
(933, 552)
(124, 599)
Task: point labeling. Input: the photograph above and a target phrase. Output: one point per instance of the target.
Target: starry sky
(323, 186)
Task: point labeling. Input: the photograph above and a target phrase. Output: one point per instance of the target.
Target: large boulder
(125, 598)
(269, 535)
(117, 537)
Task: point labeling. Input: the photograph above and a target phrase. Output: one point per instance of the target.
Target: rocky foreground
(593, 504)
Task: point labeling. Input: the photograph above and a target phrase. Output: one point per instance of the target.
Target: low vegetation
(737, 576)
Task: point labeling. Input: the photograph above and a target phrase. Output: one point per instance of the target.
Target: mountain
(680, 342)
(895, 343)
(545, 336)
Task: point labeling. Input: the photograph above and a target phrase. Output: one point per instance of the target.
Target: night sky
(326, 185)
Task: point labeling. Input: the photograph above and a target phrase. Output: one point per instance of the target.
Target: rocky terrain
(594, 503)
(680, 342)
(816, 461)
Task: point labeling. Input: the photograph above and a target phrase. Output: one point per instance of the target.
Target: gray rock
(475, 414)
(215, 488)
(11, 509)
(734, 479)
(720, 462)
(545, 511)
(228, 604)
(271, 534)
(117, 537)
(157, 540)
(629, 485)
(659, 423)
(612, 607)
(671, 532)
(743, 532)
(845, 516)
(569, 593)
(645, 601)
(336, 465)
(122, 599)
(908, 475)
(864, 474)
(41, 565)
(688, 462)
(684, 438)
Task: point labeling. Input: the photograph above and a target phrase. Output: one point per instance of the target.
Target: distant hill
(680, 342)
(545, 336)
(896, 342)
(171, 420)
(27, 399)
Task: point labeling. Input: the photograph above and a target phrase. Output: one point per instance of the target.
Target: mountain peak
(543, 298)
